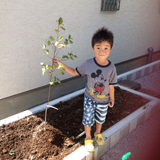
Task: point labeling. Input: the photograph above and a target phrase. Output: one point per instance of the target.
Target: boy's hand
(111, 103)
(57, 62)
(68, 69)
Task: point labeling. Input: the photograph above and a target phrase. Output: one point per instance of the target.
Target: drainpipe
(150, 53)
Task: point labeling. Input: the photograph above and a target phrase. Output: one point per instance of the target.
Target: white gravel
(144, 141)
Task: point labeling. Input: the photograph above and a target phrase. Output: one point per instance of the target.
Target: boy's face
(102, 50)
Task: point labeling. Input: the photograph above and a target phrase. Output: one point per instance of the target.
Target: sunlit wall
(24, 26)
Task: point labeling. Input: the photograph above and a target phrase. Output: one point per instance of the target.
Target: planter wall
(140, 72)
(39, 108)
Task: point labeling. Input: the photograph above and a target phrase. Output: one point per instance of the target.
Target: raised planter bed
(120, 129)
(114, 133)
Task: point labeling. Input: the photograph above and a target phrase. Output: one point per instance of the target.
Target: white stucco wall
(24, 26)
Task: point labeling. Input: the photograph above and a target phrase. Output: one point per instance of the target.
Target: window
(110, 5)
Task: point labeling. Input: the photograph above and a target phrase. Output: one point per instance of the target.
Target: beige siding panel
(24, 26)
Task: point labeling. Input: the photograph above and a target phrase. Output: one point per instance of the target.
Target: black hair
(103, 34)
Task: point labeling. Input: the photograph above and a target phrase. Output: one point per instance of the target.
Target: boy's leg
(88, 132)
(100, 115)
(98, 136)
(88, 121)
(98, 128)
(88, 116)
(88, 142)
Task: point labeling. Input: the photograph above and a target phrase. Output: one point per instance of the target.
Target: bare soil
(26, 139)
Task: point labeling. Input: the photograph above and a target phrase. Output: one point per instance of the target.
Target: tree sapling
(56, 45)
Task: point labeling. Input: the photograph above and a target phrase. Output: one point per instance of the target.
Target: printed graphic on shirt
(98, 85)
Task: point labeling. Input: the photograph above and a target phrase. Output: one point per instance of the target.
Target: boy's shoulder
(111, 63)
(88, 61)
(112, 66)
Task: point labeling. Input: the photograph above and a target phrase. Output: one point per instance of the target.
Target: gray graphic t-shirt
(98, 79)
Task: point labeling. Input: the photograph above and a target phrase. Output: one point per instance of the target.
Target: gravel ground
(144, 141)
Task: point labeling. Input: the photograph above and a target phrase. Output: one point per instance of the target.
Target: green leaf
(11, 152)
(43, 46)
(43, 71)
(70, 54)
(51, 38)
(70, 41)
(63, 28)
(58, 80)
(57, 31)
(55, 66)
(61, 46)
(47, 51)
(50, 67)
(62, 69)
(66, 42)
(56, 43)
(75, 56)
(47, 66)
(51, 83)
(71, 58)
(55, 78)
(69, 37)
(64, 56)
(42, 64)
(60, 38)
(51, 73)
(60, 20)
(49, 43)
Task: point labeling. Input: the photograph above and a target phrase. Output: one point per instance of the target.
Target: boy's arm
(111, 94)
(68, 69)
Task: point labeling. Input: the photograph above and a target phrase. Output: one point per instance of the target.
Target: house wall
(24, 26)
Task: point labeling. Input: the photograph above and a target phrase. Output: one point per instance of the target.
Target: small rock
(27, 119)
(81, 129)
(72, 137)
(41, 155)
(50, 140)
(33, 152)
(69, 142)
(55, 153)
(4, 151)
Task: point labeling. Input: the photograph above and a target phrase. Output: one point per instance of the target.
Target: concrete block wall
(140, 72)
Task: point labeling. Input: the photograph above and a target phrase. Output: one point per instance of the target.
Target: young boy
(99, 92)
